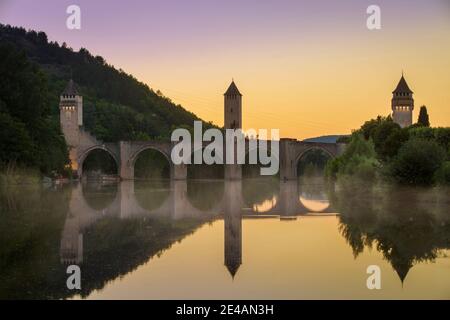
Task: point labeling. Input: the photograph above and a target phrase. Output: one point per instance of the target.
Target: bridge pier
(287, 162)
(178, 193)
(178, 172)
(288, 198)
(233, 172)
(126, 170)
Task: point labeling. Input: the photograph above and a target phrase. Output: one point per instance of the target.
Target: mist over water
(250, 239)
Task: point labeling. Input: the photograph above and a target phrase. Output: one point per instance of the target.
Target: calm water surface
(253, 239)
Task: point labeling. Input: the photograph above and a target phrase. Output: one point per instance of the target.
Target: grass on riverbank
(12, 175)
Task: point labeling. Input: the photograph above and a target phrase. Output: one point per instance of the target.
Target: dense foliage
(116, 105)
(417, 155)
(417, 162)
(29, 136)
(359, 160)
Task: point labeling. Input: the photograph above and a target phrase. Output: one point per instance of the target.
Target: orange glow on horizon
(323, 90)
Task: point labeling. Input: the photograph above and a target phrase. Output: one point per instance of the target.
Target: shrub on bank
(443, 174)
(358, 160)
(417, 162)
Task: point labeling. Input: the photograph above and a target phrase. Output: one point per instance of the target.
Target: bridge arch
(89, 150)
(313, 196)
(261, 195)
(135, 155)
(307, 151)
(205, 195)
(150, 196)
(99, 197)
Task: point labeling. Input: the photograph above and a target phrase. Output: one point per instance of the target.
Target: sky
(308, 68)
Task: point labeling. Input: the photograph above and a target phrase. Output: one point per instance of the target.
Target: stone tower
(402, 104)
(233, 108)
(71, 119)
(233, 120)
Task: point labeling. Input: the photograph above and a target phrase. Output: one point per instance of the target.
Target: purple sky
(273, 48)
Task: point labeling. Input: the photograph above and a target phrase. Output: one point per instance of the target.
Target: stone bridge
(81, 143)
(125, 154)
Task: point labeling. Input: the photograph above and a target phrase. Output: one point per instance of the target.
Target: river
(212, 239)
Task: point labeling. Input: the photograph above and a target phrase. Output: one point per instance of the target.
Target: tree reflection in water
(408, 226)
(44, 229)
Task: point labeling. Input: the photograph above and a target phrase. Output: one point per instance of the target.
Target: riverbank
(381, 150)
(18, 176)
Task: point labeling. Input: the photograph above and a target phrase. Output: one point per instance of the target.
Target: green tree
(368, 128)
(381, 134)
(442, 136)
(387, 136)
(117, 106)
(443, 174)
(394, 142)
(22, 86)
(423, 133)
(423, 119)
(15, 143)
(29, 135)
(417, 162)
(358, 160)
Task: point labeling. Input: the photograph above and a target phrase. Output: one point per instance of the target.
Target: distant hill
(326, 139)
(116, 105)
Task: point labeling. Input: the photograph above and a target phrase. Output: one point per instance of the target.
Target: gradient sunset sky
(308, 68)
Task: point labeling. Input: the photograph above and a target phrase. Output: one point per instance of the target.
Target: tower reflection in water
(233, 226)
(367, 219)
(176, 201)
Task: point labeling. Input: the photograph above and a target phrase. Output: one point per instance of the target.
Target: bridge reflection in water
(180, 199)
(114, 229)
